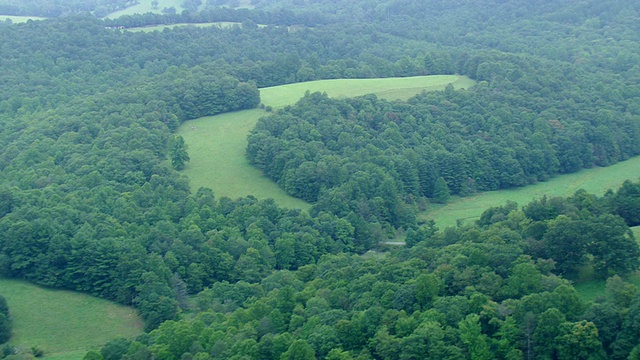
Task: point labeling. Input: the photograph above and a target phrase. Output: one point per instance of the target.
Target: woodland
(92, 200)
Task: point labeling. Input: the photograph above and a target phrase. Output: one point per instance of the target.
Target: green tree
(178, 152)
(115, 349)
(566, 242)
(547, 333)
(580, 342)
(471, 335)
(93, 355)
(4, 307)
(441, 192)
(299, 350)
(5, 329)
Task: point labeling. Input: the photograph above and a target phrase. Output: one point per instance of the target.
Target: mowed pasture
(217, 144)
(595, 180)
(65, 324)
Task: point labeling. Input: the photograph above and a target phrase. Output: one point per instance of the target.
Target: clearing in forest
(595, 181)
(221, 25)
(64, 324)
(19, 19)
(217, 144)
(145, 6)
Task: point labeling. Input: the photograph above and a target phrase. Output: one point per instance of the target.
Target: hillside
(217, 144)
(92, 197)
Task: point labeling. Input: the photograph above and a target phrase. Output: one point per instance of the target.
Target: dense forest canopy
(89, 200)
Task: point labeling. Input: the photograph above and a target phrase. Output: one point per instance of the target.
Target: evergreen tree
(441, 192)
(178, 152)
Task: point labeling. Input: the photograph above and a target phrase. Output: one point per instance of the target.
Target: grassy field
(64, 324)
(144, 6)
(388, 88)
(20, 19)
(591, 289)
(217, 144)
(222, 25)
(217, 150)
(595, 180)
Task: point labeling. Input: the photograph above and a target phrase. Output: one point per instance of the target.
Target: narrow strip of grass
(20, 19)
(221, 25)
(387, 88)
(596, 181)
(217, 143)
(64, 324)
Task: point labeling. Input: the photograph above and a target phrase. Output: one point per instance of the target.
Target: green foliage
(5, 328)
(88, 203)
(115, 349)
(178, 152)
(89, 322)
(441, 192)
(93, 355)
(4, 307)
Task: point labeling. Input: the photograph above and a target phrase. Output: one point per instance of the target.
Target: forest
(92, 199)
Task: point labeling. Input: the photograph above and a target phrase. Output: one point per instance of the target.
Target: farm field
(64, 324)
(217, 143)
(596, 180)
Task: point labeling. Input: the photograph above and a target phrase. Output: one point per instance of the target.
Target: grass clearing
(217, 144)
(65, 324)
(20, 19)
(596, 181)
(590, 290)
(144, 6)
(221, 25)
(217, 149)
(387, 88)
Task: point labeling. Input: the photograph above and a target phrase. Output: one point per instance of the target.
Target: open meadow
(144, 6)
(217, 144)
(221, 25)
(64, 324)
(19, 19)
(595, 180)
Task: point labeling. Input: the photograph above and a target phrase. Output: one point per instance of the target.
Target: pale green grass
(145, 6)
(221, 25)
(596, 181)
(636, 233)
(388, 88)
(591, 289)
(64, 324)
(217, 144)
(217, 149)
(20, 19)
